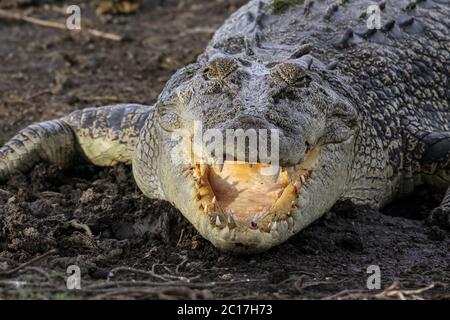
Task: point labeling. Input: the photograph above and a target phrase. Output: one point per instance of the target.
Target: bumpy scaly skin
(376, 101)
(105, 136)
(400, 74)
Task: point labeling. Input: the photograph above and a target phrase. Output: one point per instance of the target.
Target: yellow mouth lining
(239, 194)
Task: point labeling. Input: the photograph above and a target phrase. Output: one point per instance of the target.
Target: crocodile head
(240, 198)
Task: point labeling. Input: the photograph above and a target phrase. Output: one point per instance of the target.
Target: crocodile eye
(167, 116)
(291, 73)
(221, 67)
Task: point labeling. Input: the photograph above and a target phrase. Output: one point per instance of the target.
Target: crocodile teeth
(218, 222)
(214, 200)
(221, 165)
(231, 222)
(277, 174)
(303, 179)
(274, 226)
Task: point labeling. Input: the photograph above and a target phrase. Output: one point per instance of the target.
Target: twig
(26, 264)
(180, 238)
(56, 25)
(358, 293)
(5, 192)
(393, 291)
(165, 277)
(81, 226)
(159, 293)
(182, 263)
(95, 287)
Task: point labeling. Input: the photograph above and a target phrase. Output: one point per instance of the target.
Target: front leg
(440, 216)
(104, 136)
(436, 173)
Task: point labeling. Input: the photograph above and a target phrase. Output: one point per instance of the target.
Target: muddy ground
(128, 246)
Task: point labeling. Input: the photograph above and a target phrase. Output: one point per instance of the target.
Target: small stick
(56, 25)
(26, 264)
(81, 226)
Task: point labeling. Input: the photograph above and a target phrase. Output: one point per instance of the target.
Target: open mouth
(239, 194)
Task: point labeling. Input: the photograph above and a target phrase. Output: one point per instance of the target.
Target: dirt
(128, 246)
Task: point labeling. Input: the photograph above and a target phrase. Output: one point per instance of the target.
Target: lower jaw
(241, 240)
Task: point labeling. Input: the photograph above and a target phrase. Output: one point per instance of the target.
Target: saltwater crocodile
(362, 114)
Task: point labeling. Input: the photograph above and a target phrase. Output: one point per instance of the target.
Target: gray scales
(362, 114)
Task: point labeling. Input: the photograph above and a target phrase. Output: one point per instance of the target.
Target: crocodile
(361, 112)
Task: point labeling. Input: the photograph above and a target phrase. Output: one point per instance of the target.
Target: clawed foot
(440, 216)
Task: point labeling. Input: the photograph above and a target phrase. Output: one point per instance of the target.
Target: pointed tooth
(303, 179)
(213, 200)
(274, 226)
(218, 223)
(276, 175)
(290, 222)
(231, 222)
(221, 165)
